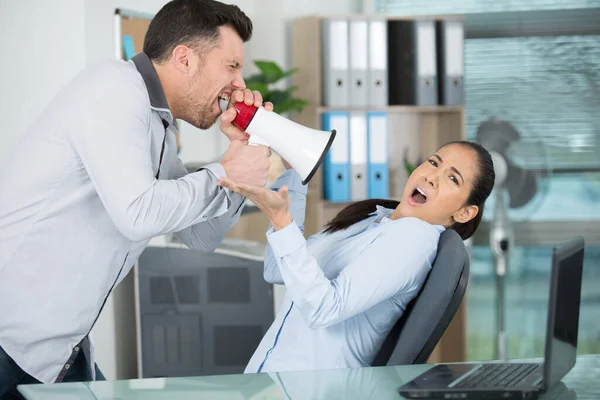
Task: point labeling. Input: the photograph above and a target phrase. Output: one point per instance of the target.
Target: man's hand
(247, 163)
(237, 96)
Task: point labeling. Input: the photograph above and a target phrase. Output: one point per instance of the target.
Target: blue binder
(377, 167)
(336, 166)
(128, 47)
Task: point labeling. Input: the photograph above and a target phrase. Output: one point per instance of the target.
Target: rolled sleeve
(292, 179)
(218, 171)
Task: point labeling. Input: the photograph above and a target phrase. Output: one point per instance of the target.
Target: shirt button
(76, 349)
(67, 366)
(204, 216)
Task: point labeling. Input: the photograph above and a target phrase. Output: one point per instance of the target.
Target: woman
(348, 284)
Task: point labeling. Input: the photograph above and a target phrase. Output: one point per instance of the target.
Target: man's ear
(182, 58)
(465, 214)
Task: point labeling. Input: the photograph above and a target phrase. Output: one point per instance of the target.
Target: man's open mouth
(223, 101)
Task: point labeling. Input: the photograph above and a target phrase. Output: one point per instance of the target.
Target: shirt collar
(158, 100)
(383, 215)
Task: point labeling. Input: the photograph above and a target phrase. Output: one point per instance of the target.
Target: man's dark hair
(193, 23)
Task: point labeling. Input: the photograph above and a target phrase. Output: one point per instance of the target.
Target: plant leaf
(279, 97)
(256, 78)
(262, 87)
(290, 105)
(271, 71)
(289, 72)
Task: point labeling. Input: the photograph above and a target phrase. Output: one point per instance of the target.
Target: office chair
(417, 332)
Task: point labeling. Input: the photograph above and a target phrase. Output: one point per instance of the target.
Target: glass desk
(379, 383)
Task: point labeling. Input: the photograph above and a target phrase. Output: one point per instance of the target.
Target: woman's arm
(297, 192)
(398, 260)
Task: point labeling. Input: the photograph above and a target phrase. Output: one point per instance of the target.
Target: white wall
(41, 48)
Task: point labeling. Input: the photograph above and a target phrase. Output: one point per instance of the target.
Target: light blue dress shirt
(345, 290)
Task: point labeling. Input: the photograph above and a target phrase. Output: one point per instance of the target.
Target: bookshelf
(420, 129)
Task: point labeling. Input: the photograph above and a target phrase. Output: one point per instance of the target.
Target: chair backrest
(417, 332)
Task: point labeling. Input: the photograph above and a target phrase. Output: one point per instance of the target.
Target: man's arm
(207, 235)
(113, 140)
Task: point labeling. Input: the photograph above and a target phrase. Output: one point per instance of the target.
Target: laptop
(513, 380)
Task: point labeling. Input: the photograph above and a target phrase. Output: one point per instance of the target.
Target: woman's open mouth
(418, 196)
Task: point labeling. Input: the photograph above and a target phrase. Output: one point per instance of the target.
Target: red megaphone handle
(244, 116)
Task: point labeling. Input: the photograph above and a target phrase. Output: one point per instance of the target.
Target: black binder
(412, 70)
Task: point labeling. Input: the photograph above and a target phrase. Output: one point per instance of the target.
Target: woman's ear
(465, 214)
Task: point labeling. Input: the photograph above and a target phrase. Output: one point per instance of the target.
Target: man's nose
(238, 82)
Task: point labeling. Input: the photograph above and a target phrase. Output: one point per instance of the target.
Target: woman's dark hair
(482, 187)
(192, 23)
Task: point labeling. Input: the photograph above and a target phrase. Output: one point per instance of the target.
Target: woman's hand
(276, 205)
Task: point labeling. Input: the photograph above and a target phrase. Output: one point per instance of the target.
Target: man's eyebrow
(452, 168)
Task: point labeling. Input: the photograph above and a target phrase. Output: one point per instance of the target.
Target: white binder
(336, 75)
(450, 36)
(427, 86)
(358, 156)
(359, 64)
(378, 63)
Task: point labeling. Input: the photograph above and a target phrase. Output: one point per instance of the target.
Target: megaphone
(302, 147)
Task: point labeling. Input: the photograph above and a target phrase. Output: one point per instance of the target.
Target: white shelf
(395, 109)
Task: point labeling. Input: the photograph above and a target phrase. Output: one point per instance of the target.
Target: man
(97, 176)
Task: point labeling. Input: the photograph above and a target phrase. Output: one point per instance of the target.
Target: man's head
(197, 49)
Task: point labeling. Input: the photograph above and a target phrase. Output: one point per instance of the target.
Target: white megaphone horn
(303, 148)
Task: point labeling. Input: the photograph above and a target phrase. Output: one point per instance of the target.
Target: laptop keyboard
(497, 376)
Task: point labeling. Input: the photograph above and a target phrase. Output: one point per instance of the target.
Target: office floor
(526, 301)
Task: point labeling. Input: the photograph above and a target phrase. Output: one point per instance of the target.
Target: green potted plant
(264, 81)
(408, 165)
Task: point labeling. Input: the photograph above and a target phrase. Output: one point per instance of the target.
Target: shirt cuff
(218, 171)
(286, 241)
(292, 179)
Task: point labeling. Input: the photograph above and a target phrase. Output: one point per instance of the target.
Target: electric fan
(517, 184)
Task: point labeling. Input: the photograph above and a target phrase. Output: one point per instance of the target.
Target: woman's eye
(453, 179)
(432, 162)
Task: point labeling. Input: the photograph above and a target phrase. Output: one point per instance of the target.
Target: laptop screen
(563, 314)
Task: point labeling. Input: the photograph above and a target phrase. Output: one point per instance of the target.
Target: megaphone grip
(244, 116)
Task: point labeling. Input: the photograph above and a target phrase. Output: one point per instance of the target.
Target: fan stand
(501, 241)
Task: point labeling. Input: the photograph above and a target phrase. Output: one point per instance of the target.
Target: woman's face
(437, 190)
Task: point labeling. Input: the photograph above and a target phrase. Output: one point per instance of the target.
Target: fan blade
(496, 135)
(521, 184)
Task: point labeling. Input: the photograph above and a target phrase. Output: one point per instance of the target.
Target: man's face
(218, 71)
